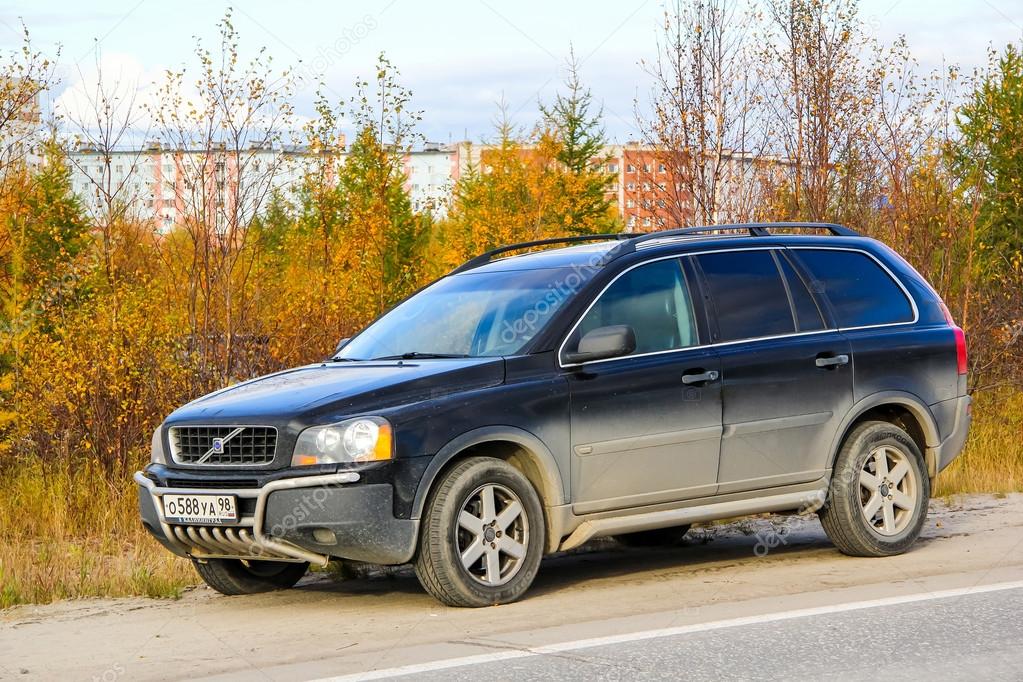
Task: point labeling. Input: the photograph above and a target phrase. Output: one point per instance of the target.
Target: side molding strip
(597, 528)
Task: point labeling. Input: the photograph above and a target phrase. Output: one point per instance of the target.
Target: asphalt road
(967, 634)
(767, 598)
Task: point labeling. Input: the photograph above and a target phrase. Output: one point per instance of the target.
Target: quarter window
(748, 294)
(654, 300)
(860, 291)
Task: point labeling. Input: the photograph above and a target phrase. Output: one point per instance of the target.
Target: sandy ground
(384, 619)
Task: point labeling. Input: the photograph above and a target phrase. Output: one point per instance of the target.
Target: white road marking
(561, 647)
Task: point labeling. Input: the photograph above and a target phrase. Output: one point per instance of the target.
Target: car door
(645, 427)
(787, 378)
(877, 314)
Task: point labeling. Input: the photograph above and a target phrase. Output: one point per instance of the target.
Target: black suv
(626, 386)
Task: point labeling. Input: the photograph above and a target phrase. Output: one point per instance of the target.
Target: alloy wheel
(492, 534)
(888, 490)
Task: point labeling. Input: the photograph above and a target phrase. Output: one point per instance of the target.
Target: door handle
(712, 375)
(832, 361)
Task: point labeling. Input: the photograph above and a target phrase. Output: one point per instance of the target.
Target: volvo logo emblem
(217, 445)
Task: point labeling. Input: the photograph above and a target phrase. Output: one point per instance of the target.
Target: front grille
(219, 484)
(223, 445)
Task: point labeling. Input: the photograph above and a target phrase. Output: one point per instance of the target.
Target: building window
(646, 222)
(629, 203)
(631, 187)
(646, 186)
(630, 168)
(612, 168)
(660, 168)
(632, 221)
(661, 186)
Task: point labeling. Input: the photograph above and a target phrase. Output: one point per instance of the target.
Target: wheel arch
(518, 447)
(905, 410)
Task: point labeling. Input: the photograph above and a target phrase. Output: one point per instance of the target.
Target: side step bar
(616, 525)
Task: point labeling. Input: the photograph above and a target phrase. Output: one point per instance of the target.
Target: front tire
(879, 493)
(482, 535)
(234, 577)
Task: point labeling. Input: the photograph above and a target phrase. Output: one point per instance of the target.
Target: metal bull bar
(247, 540)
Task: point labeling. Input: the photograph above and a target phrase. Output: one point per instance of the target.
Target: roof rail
(485, 258)
(629, 240)
(752, 229)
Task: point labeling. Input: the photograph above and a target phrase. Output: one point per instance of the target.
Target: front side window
(654, 300)
(748, 294)
(861, 292)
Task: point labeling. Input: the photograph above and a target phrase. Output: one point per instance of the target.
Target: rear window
(860, 291)
(748, 294)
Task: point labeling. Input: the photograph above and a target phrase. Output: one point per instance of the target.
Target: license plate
(208, 509)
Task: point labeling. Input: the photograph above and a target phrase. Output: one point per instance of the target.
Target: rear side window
(859, 289)
(748, 294)
(654, 300)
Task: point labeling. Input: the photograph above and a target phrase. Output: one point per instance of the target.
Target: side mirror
(341, 344)
(603, 343)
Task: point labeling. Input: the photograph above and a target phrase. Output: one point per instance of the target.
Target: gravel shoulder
(383, 619)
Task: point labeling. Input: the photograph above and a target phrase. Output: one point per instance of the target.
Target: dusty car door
(786, 374)
(646, 426)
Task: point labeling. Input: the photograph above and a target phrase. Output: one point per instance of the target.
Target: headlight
(364, 439)
(158, 454)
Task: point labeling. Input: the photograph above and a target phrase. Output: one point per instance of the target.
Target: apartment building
(169, 186)
(22, 122)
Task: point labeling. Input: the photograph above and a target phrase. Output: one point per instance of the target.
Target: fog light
(324, 536)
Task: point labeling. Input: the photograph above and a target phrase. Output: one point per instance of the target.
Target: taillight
(960, 349)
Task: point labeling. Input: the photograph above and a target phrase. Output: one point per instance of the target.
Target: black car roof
(601, 253)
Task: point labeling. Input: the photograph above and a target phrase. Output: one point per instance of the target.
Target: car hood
(341, 388)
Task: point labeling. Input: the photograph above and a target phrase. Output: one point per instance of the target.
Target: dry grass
(70, 535)
(993, 459)
(65, 535)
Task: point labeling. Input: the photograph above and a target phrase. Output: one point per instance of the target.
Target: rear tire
(658, 537)
(482, 535)
(234, 577)
(879, 493)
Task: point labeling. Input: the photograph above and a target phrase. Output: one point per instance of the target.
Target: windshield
(469, 315)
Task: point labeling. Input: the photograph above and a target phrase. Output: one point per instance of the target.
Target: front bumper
(310, 518)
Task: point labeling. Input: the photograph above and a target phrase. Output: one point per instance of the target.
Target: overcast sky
(458, 58)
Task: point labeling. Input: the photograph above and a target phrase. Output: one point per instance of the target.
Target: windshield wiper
(416, 355)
